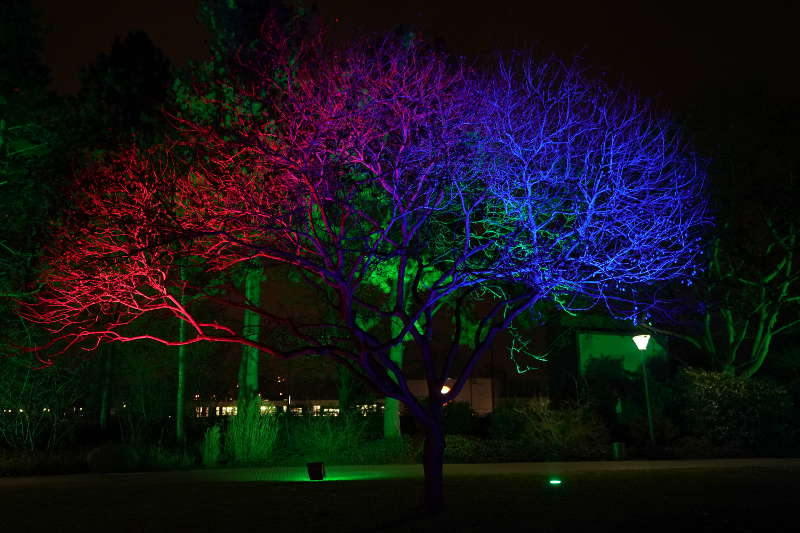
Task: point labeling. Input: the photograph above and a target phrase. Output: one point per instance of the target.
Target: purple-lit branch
(409, 189)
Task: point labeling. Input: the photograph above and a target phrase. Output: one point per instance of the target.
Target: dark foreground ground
(675, 496)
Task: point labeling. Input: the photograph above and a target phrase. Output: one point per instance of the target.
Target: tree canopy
(387, 158)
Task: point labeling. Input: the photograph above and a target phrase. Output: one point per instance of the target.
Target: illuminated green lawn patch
(297, 474)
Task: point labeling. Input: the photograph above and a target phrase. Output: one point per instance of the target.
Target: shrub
(458, 418)
(507, 420)
(403, 450)
(161, 458)
(113, 458)
(573, 432)
(733, 412)
(212, 446)
(26, 463)
(333, 439)
(467, 449)
(250, 438)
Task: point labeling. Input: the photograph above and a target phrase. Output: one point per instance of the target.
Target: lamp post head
(641, 341)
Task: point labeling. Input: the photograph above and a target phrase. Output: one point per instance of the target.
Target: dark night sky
(668, 50)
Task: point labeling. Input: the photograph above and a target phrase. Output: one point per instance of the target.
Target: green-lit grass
(730, 500)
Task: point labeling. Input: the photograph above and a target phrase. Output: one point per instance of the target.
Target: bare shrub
(571, 432)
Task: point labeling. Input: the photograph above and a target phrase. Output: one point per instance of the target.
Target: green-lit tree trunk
(749, 310)
(391, 409)
(105, 395)
(180, 396)
(248, 399)
(345, 389)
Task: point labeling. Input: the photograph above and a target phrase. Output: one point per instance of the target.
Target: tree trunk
(433, 461)
(105, 395)
(345, 389)
(391, 407)
(247, 399)
(180, 394)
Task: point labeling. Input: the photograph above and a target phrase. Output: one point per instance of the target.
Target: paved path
(363, 472)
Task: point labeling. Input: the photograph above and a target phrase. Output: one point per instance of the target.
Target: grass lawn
(698, 499)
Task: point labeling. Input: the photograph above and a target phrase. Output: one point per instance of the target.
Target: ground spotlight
(316, 471)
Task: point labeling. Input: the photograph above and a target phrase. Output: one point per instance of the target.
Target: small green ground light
(555, 481)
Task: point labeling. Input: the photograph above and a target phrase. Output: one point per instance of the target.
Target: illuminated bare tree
(390, 161)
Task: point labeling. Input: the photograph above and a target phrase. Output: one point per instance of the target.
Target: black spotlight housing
(316, 471)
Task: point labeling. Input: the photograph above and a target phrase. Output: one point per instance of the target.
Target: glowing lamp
(555, 481)
(445, 389)
(316, 471)
(641, 341)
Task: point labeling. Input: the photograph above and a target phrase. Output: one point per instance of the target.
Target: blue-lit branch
(604, 201)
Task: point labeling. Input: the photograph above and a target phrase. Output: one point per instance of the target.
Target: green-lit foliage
(34, 402)
(31, 155)
(212, 446)
(749, 294)
(250, 437)
(329, 438)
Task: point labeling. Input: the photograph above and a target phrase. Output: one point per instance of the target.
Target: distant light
(641, 341)
(555, 481)
(445, 389)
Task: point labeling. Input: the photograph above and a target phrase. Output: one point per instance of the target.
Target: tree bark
(345, 389)
(180, 393)
(105, 396)
(247, 399)
(433, 462)
(391, 407)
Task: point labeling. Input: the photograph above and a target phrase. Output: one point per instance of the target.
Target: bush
(693, 447)
(332, 439)
(113, 458)
(458, 418)
(26, 463)
(404, 450)
(573, 432)
(543, 433)
(161, 458)
(250, 438)
(466, 449)
(507, 420)
(212, 446)
(733, 412)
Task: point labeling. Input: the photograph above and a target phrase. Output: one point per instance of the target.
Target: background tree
(30, 142)
(205, 97)
(34, 156)
(748, 294)
(123, 92)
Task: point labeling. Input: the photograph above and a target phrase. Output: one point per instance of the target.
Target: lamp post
(641, 342)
